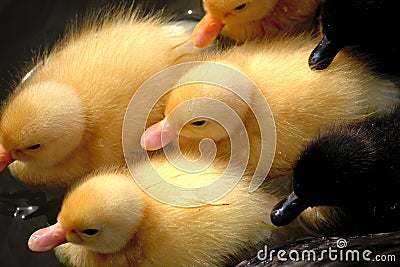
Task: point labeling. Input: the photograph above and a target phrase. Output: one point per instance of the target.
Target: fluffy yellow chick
(106, 220)
(243, 20)
(302, 101)
(65, 120)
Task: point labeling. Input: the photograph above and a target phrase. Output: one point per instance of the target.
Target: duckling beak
(323, 54)
(207, 30)
(287, 210)
(47, 238)
(5, 158)
(158, 135)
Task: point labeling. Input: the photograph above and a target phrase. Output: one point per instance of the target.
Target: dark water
(370, 250)
(22, 211)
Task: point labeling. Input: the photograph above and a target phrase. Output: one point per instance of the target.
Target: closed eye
(90, 232)
(34, 147)
(241, 7)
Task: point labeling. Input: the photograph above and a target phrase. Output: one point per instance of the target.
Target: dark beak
(287, 210)
(322, 55)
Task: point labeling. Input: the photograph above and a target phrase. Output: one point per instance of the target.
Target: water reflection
(22, 211)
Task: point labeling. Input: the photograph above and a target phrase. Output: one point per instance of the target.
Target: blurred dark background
(28, 27)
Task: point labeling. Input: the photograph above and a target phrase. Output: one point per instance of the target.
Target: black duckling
(371, 26)
(354, 167)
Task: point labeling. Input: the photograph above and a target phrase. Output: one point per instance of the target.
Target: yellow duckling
(302, 101)
(106, 220)
(65, 120)
(243, 20)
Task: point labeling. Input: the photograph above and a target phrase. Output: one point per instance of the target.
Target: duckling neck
(291, 16)
(51, 176)
(288, 16)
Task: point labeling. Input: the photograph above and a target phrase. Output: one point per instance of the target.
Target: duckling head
(94, 217)
(220, 13)
(348, 23)
(335, 169)
(194, 112)
(41, 126)
(238, 11)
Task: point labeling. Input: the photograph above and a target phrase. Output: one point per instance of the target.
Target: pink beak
(5, 158)
(206, 31)
(47, 238)
(158, 135)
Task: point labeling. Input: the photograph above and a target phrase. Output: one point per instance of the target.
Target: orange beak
(158, 135)
(5, 158)
(206, 31)
(47, 238)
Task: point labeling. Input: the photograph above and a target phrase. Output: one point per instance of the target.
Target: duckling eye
(241, 7)
(199, 123)
(90, 232)
(34, 147)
